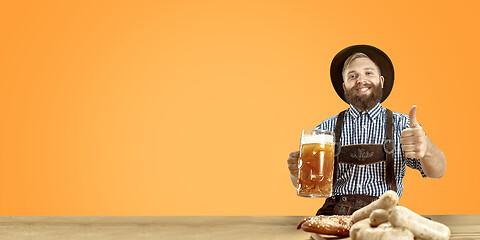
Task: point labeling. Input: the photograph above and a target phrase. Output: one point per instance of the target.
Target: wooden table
(199, 228)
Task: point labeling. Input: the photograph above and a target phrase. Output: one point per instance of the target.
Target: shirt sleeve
(411, 162)
(415, 164)
(328, 124)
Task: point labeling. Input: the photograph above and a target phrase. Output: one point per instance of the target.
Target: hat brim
(375, 54)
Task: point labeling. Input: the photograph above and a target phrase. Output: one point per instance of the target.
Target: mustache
(362, 85)
(364, 103)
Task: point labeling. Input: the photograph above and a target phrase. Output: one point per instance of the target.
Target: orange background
(191, 107)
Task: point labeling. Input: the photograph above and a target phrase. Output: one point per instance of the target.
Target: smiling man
(363, 76)
(363, 82)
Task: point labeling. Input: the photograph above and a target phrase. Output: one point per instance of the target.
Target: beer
(315, 175)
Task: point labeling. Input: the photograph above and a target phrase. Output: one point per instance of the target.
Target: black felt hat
(375, 54)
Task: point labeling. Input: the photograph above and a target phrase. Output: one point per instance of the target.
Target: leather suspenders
(363, 154)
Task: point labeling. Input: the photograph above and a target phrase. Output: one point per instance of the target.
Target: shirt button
(364, 126)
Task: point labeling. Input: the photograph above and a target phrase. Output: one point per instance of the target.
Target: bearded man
(363, 77)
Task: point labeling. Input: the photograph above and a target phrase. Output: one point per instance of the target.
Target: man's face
(362, 84)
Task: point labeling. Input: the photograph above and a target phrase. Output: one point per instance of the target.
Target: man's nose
(361, 78)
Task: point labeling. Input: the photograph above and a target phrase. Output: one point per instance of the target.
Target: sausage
(390, 233)
(385, 225)
(362, 230)
(378, 216)
(420, 226)
(360, 225)
(388, 200)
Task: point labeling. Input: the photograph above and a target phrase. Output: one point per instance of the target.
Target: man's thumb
(412, 115)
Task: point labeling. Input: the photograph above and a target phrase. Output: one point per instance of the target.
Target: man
(376, 143)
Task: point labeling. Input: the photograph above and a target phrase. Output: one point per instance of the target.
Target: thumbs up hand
(412, 116)
(413, 139)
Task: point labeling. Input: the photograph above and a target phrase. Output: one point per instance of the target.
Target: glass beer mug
(315, 165)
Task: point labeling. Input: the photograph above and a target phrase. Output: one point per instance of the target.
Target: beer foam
(317, 139)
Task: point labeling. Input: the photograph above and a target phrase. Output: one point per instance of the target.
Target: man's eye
(369, 73)
(351, 76)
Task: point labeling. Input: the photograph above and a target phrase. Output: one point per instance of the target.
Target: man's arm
(416, 145)
(434, 161)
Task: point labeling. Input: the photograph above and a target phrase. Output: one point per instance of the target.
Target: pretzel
(338, 225)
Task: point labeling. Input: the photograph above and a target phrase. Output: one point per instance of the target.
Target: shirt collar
(372, 113)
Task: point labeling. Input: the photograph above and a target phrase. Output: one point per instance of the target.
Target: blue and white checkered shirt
(369, 128)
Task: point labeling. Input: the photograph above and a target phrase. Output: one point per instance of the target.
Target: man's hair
(355, 56)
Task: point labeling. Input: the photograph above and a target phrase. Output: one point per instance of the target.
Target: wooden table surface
(199, 228)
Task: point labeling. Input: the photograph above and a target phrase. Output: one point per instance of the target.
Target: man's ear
(343, 85)
(381, 80)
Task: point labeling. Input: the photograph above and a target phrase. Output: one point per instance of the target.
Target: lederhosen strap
(388, 149)
(338, 133)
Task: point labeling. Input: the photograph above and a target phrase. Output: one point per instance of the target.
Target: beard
(364, 103)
